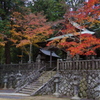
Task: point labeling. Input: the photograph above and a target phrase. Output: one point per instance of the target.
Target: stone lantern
(5, 81)
(57, 80)
(11, 79)
(18, 78)
(75, 83)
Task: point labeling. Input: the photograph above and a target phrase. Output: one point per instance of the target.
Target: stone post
(18, 78)
(57, 77)
(38, 60)
(11, 79)
(5, 81)
(75, 83)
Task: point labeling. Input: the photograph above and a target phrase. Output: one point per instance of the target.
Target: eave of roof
(69, 35)
(47, 52)
(83, 31)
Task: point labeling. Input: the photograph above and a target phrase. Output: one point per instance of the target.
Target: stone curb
(14, 94)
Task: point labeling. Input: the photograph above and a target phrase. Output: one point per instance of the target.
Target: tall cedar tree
(7, 7)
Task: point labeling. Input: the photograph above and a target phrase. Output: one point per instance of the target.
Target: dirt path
(32, 98)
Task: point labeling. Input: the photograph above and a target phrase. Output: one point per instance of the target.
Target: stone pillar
(75, 83)
(38, 60)
(11, 80)
(5, 81)
(68, 56)
(57, 77)
(18, 78)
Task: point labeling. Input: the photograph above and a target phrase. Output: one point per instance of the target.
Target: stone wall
(88, 83)
(80, 76)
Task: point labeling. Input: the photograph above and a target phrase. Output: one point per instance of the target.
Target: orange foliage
(23, 42)
(87, 46)
(87, 13)
(32, 27)
(83, 44)
(2, 43)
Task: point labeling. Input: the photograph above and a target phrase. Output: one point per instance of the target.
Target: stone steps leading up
(34, 86)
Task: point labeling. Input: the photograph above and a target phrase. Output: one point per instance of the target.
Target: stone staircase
(34, 86)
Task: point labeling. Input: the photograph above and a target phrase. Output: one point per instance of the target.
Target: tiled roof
(47, 52)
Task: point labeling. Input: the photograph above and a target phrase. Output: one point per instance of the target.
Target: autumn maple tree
(80, 43)
(87, 47)
(28, 30)
(87, 15)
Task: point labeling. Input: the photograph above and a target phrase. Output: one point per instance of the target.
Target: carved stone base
(98, 98)
(5, 86)
(75, 98)
(57, 94)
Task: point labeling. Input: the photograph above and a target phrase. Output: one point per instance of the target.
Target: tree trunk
(7, 53)
(30, 54)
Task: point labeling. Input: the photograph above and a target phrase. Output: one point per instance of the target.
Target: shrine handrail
(93, 64)
(33, 76)
(51, 79)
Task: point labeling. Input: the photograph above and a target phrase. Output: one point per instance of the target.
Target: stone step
(30, 90)
(40, 83)
(36, 83)
(36, 86)
(25, 92)
(33, 86)
(29, 87)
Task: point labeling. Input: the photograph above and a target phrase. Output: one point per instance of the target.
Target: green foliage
(53, 9)
(4, 27)
(7, 7)
(1, 55)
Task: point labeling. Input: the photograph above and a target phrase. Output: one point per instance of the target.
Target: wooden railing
(93, 64)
